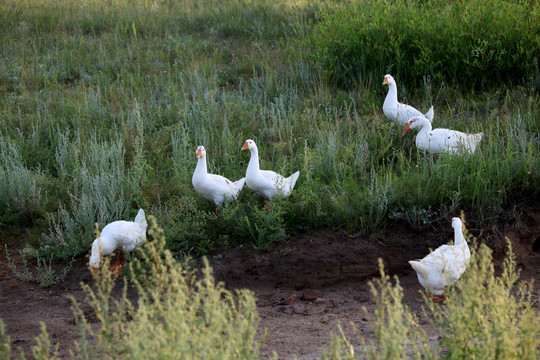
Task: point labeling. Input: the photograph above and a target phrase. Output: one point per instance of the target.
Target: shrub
(471, 44)
(177, 316)
(21, 189)
(101, 193)
(44, 274)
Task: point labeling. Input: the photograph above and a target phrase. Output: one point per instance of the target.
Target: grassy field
(103, 104)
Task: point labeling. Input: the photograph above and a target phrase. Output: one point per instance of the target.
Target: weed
(266, 225)
(45, 275)
(5, 342)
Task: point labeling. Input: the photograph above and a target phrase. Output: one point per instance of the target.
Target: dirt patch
(304, 287)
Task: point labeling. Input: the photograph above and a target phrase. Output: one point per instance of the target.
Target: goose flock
(434, 141)
(439, 269)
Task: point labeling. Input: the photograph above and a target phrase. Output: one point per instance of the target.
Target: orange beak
(407, 129)
(245, 146)
(385, 81)
(199, 153)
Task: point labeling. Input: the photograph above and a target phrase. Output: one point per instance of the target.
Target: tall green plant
(180, 316)
(471, 44)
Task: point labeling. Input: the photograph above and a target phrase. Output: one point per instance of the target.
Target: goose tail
(140, 219)
(429, 114)
(293, 178)
(239, 184)
(420, 268)
(478, 137)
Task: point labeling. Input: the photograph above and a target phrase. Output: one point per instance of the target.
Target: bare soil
(304, 287)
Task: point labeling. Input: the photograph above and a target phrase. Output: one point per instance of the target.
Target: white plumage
(266, 182)
(437, 141)
(215, 188)
(397, 112)
(121, 235)
(445, 265)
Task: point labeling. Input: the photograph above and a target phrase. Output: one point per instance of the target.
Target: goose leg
(267, 204)
(117, 266)
(216, 209)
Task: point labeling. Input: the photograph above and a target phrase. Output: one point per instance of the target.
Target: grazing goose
(397, 112)
(437, 141)
(266, 182)
(215, 188)
(121, 235)
(445, 265)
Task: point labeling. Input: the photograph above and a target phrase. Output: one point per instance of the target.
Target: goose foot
(438, 299)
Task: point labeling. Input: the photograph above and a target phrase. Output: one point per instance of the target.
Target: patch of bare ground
(304, 286)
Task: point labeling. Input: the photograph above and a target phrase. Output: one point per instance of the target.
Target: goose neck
(392, 92)
(459, 238)
(201, 167)
(254, 160)
(425, 125)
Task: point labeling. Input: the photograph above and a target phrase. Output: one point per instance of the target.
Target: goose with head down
(398, 112)
(215, 188)
(119, 235)
(266, 183)
(437, 141)
(444, 266)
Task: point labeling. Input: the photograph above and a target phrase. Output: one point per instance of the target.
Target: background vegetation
(468, 44)
(103, 103)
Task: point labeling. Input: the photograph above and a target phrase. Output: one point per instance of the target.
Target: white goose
(215, 188)
(266, 182)
(121, 235)
(437, 141)
(445, 265)
(397, 112)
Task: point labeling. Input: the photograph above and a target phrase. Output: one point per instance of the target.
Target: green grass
(102, 105)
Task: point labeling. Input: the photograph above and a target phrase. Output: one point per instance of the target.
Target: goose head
(95, 256)
(457, 224)
(249, 144)
(414, 122)
(388, 80)
(201, 152)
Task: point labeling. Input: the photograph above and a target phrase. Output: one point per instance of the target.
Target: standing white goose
(445, 265)
(121, 235)
(215, 188)
(266, 182)
(437, 141)
(397, 112)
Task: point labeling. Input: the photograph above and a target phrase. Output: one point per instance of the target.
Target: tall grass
(105, 104)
